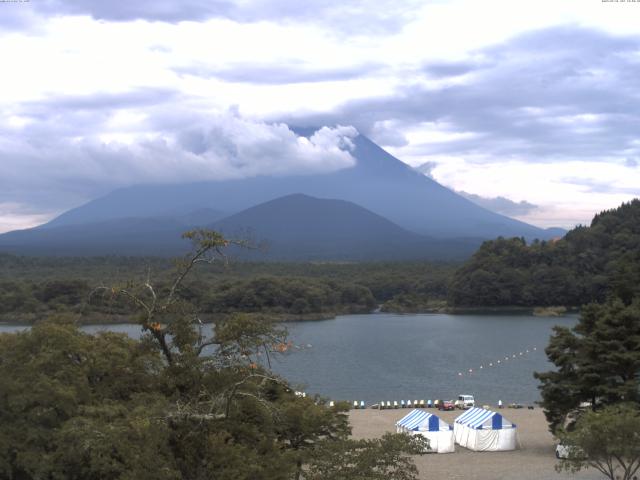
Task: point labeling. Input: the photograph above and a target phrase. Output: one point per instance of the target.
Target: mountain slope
(121, 236)
(294, 227)
(300, 227)
(126, 236)
(378, 182)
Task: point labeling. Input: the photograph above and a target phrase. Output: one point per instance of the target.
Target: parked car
(465, 401)
(446, 405)
(562, 451)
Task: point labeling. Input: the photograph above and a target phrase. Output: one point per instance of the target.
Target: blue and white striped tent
(481, 418)
(483, 430)
(421, 422)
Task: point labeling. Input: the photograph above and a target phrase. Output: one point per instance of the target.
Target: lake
(384, 356)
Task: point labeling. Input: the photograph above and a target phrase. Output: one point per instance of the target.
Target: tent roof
(421, 418)
(479, 418)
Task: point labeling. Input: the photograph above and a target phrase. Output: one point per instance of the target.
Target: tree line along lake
(380, 356)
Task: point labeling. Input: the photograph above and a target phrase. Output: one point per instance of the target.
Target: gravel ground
(534, 460)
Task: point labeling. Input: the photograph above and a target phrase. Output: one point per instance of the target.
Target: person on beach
(499, 403)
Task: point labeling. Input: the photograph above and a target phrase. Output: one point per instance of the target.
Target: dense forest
(31, 287)
(588, 265)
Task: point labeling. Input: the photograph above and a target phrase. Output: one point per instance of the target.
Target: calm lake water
(392, 357)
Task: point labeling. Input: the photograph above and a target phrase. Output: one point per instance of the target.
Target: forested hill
(588, 264)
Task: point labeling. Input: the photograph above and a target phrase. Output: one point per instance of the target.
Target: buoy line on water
(499, 362)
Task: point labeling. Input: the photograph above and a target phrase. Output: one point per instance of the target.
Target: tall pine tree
(598, 361)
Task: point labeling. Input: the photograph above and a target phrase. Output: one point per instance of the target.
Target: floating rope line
(502, 361)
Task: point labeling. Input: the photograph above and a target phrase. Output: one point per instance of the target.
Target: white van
(465, 401)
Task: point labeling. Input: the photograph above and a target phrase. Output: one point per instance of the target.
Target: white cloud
(14, 216)
(335, 54)
(436, 132)
(567, 192)
(129, 148)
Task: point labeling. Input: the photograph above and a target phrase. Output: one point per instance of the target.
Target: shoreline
(506, 310)
(207, 318)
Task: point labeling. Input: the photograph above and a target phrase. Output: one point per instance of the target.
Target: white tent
(421, 422)
(484, 431)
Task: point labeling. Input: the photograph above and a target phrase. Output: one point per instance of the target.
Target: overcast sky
(532, 107)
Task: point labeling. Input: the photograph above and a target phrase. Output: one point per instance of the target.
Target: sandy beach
(534, 460)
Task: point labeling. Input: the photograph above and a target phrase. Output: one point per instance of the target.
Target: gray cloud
(450, 69)
(631, 162)
(345, 17)
(64, 154)
(141, 97)
(555, 93)
(498, 204)
(60, 118)
(386, 133)
(277, 74)
(427, 168)
(501, 204)
(154, 10)
(18, 16)
(593, 186)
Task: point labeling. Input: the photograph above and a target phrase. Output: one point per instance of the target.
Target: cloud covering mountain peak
(88, 152)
